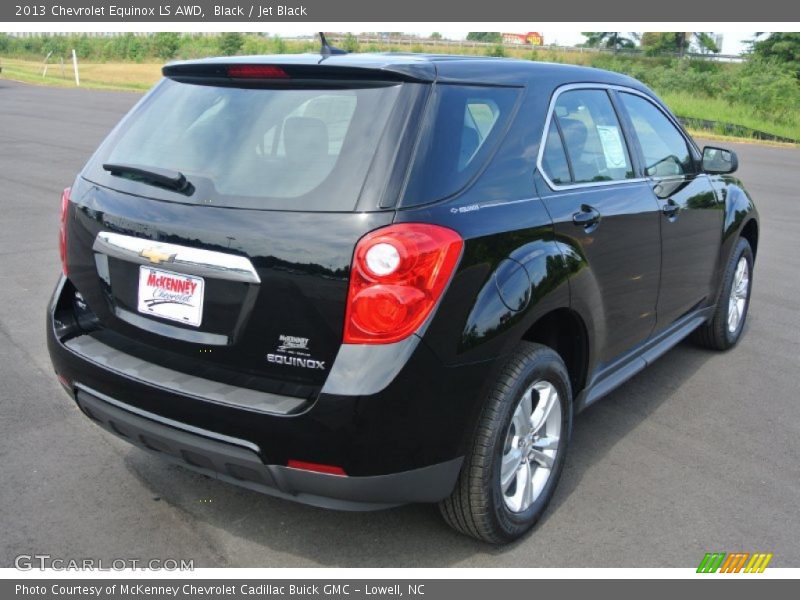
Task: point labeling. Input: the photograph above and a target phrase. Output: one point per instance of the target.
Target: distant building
(532, 38)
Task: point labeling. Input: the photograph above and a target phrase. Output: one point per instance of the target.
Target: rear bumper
(238, 462)
(399, 444)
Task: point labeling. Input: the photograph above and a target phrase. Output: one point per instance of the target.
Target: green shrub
(198, 46)
(165, 44)
(769, 87)
(279, 45)
(255, 44)
(498, 50)
(230, 43)
(350, 43)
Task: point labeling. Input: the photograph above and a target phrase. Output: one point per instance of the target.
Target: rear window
(283, 149)
(462, 127)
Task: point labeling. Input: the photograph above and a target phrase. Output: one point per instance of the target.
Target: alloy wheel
(531, 446)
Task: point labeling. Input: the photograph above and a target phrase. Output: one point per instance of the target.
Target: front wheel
(518, 451)
(726, 326)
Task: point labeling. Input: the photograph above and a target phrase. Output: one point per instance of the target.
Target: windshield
(285, 149)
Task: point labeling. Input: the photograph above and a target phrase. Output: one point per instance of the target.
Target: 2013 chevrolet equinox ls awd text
(359, 281)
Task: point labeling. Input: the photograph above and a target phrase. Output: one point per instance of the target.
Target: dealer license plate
(172, 296)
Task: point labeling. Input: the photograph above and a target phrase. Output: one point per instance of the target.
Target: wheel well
(563, 331)
(750, 233)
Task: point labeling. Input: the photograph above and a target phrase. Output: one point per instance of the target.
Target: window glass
(287, 148)
(664, 148)
(480, 117)
(593, 136)
(554, 159)
(461, 128)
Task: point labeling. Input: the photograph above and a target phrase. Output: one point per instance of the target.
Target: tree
(782, 47)
(706, 42)
(165, 44)
(678, 41)
(436, 35)
(492, 37)
(609, 39)
(230, 43)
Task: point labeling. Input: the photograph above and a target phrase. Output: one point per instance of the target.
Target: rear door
(608, 213)
(692, 216)
(240, 276)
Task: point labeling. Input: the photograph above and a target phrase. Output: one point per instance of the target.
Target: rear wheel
(519, 449)
(725, 327)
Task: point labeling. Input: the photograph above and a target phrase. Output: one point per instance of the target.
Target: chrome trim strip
(181, 259)
(551, 108)
(159, 328)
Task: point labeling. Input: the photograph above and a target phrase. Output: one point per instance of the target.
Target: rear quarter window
(462, 127)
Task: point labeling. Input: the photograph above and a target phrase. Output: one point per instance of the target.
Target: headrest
(305, 138)
(575, 133)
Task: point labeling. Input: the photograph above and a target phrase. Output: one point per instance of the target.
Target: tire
(480, 506)
(718, 333)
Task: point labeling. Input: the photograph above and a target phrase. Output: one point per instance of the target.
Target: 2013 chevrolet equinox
(365, 280)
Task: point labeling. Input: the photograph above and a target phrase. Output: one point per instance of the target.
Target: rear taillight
(256, 72)
(62, 230)
(398, 274)
(316, 467)
(65, 383)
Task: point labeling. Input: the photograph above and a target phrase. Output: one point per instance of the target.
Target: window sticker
(613, 149)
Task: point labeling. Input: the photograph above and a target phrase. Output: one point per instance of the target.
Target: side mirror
(719, 161)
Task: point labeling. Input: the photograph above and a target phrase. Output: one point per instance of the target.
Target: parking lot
(700, 452)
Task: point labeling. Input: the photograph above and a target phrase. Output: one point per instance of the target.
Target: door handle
(671, 209)
(587, 217)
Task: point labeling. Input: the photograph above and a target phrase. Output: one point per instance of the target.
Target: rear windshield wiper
(167, 178)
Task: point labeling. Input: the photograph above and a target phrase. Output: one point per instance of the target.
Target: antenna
(327, 49)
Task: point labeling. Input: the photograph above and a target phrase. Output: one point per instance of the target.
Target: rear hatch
(213, 232)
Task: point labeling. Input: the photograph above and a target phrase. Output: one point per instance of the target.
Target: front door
(692, 216)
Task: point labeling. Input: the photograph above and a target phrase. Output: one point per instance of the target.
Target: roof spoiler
(275, 73)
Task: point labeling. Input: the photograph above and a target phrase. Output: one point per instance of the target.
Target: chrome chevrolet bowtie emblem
(156, 256)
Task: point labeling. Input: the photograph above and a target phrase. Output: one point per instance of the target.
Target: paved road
(699, 452)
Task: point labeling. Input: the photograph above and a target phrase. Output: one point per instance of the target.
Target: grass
(108, 76)
(715, 109)
(129, 76)
(705, 135)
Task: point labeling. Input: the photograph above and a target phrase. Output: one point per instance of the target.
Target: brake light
(65, 383)
(62, 230)
(256, 72)
(316, 467)
(398, 274)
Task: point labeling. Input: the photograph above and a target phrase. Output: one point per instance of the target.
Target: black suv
(365, 280)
